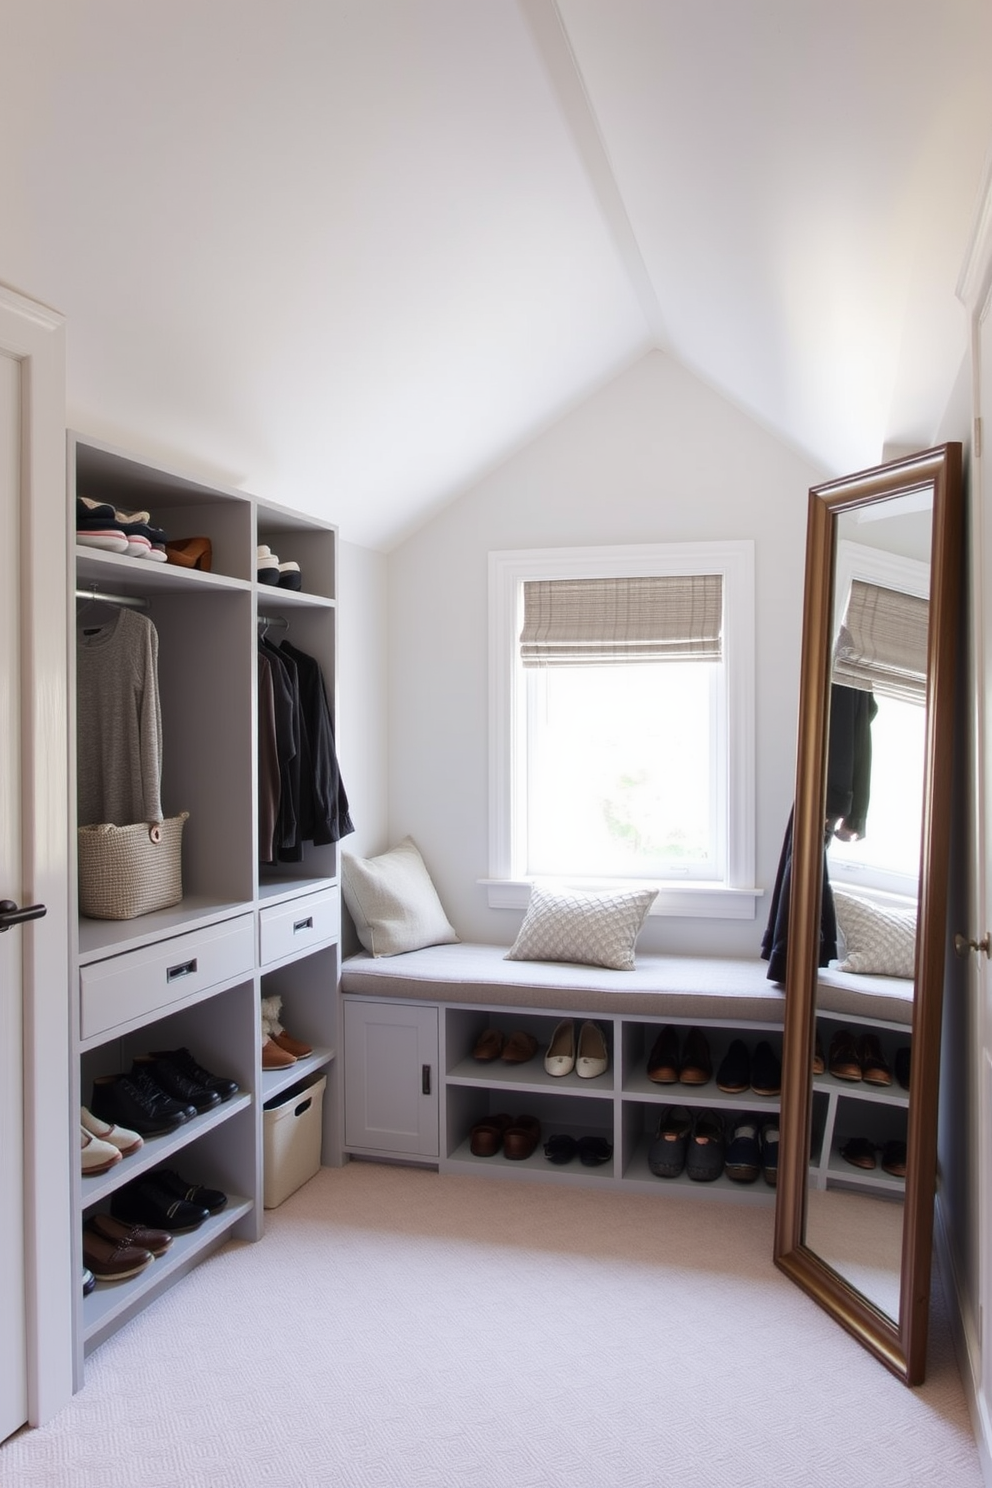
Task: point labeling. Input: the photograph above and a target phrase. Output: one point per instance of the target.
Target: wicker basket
(129, 871)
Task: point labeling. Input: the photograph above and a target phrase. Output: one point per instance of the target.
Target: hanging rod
(279, 621)
(129, 601)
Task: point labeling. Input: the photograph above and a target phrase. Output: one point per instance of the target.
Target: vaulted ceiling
(353, 253)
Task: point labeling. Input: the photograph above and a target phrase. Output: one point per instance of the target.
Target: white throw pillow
(878, 940)
(393, 901)
(591, 928)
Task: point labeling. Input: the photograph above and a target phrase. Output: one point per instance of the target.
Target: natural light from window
(622, 770)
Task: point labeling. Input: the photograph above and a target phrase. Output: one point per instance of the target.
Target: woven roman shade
(882, 645)
(577, 622)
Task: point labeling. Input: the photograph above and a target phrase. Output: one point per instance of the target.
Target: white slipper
(111, 542)
(137, 546)
(157, 555)
(121, 1137)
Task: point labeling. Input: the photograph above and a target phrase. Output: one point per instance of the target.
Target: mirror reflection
(873, 818)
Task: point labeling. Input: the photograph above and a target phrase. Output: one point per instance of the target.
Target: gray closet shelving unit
(193, 975)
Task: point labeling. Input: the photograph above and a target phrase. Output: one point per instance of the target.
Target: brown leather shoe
(663, 1061)
(520, 1139)
(487, 1135)
(859, 1152)
(874, 1067)
(844, 1062)
(819, 1063)
(122, 1233)
(894, 1159)
(273, 1057)
(112, 1260)
(489, 1045)
(291, 1045)
(697, 1066)
(519, 1047)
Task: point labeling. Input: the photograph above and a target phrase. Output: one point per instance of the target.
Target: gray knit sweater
(119, 723)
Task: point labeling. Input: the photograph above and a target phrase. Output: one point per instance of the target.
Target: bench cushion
(689, 988)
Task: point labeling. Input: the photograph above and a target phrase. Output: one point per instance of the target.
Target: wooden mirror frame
(900, 1345)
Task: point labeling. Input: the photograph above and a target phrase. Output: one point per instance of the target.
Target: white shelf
(113, 1302)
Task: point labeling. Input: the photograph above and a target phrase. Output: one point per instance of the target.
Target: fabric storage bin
(291, 1140)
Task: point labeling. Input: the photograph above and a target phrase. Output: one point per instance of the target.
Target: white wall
(362, 710)
(655, 456)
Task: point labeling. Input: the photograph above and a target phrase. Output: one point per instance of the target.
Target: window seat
(688, 988)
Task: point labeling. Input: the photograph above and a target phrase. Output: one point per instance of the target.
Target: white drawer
(289, 929)
(158, 977)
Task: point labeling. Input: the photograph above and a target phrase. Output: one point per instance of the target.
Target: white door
(982, 913)
(13, 1336)
(36, 1171)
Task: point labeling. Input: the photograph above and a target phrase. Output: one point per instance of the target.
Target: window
(881, 648)
(622, 722)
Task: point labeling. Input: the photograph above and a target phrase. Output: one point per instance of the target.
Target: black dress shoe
(136, 1102)
(183, 1060)
(766, 1070)
(174, 1082)
(144, 1202)
(734, 1073)
(193, 1193)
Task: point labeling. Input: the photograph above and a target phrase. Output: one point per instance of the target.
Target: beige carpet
(396, 1329)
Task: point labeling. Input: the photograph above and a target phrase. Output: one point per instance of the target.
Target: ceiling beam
(547, 28)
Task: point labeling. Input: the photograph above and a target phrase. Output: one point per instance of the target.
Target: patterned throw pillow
(393, 901)
(879, 940)
(593, 929)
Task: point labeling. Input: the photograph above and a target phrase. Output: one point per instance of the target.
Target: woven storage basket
(129, 871)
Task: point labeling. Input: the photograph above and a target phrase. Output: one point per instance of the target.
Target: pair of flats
(269, 570)
(518, 1136)
(741, 1070)
(587, 1055)
(687, 1141)
(591, 1151)
(491, 1044)
(668, 1064)
(860, 1152)
(860, 1058)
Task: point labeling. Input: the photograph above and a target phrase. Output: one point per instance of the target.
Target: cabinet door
(390, 1077)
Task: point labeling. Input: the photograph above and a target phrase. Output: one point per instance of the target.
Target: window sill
(695, 901)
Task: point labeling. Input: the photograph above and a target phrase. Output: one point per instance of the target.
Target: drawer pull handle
(306, 924)
(185, 968)
(425, 1079)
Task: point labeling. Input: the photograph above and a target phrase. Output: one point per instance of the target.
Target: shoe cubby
(562, 1114)
(465, 1026)
(311, 1013)
(639, 1038)
(638, 1130)
(192, 976)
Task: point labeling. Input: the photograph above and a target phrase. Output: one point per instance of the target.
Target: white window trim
(735, 897)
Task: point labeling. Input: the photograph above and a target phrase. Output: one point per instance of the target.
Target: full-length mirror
(867, 912)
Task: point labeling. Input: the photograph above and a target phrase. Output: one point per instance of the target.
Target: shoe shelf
(113, 1303)
(158, 1151)
(845, 1109)
(274, 1082)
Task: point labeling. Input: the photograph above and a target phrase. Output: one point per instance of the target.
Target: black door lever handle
(11, 915)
